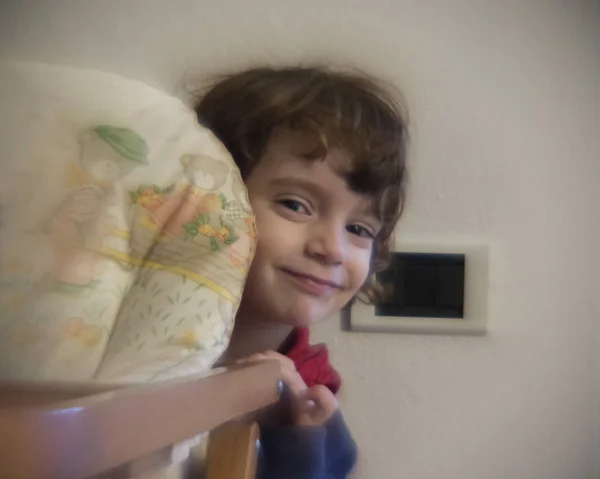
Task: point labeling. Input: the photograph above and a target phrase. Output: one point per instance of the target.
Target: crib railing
(81, 431)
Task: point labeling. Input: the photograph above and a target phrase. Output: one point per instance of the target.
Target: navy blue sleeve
(318, 452)
(341, 448)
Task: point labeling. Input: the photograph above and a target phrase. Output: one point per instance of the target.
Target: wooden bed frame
(50, 431)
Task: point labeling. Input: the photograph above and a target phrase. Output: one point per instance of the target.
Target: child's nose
(327, 244)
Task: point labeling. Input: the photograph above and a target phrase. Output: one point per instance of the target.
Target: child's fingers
(252, 358)
(265, 356)
(314, 406)
(319, 398)
(285, 361)
(303, 405)
(257, 357)
(290, 376)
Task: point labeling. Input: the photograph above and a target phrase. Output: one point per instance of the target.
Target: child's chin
(296, 311)
(300, 322)
(302, 319)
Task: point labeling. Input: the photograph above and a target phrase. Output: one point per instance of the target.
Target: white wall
(505, 104)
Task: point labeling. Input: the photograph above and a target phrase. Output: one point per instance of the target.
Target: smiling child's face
(315, 235)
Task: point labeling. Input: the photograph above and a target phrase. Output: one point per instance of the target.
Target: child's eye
(295, 206)
(359, 230)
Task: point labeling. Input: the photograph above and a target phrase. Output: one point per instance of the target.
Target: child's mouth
(312, 285)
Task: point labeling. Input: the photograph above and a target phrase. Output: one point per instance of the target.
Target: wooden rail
(50, 431)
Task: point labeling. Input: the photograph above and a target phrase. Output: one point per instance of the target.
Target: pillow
(125, 230)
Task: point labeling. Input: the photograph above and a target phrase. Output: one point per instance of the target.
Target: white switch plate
(361, 317)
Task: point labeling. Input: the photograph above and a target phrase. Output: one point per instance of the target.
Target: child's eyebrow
(308, 185)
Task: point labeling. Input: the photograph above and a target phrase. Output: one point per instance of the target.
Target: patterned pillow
(125, 231)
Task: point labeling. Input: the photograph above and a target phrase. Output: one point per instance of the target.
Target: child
(323, 157)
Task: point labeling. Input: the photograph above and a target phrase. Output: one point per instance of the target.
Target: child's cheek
(359, 267)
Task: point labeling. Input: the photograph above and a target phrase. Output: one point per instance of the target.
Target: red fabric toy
(312, 361)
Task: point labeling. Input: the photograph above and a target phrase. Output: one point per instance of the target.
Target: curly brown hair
(349, 111)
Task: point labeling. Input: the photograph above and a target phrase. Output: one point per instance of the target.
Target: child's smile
(312, 285)
(315, 235)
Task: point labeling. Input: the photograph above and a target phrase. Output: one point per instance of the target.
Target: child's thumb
(322, 398)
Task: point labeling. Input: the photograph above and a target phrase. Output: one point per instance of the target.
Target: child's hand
(314, 406)
(310, 406)
(291, 378)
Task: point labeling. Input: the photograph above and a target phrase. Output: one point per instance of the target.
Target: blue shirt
(307, 452)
